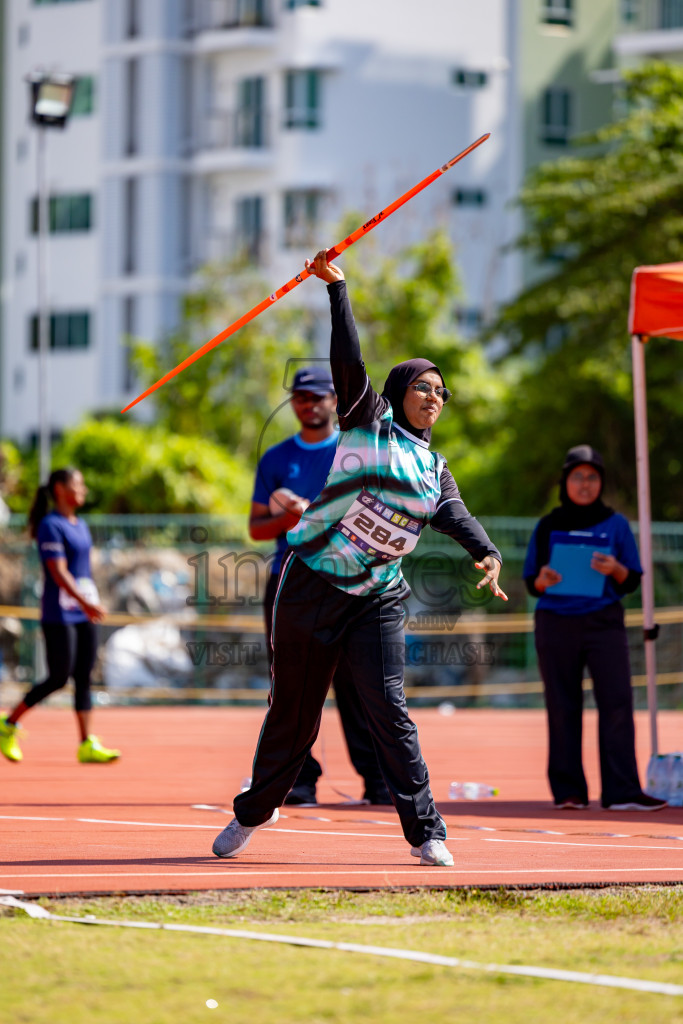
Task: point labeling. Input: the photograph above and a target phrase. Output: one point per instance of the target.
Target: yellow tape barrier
(489, 624)
(431, 625)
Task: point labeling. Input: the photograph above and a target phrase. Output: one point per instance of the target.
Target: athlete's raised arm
(357, 402)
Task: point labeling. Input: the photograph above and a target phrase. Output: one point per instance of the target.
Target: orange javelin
(331, 254)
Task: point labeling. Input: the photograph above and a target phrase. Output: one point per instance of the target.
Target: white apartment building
(203, 128)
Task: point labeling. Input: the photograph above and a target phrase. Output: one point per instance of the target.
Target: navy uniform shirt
(295, 464)
(59, 538)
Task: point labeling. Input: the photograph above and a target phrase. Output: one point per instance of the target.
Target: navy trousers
(355, 728)
(314, 625)
(566, 644)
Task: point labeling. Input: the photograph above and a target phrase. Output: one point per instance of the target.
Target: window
(130, 203)
(128, 324)
(557, 12)
(44, 3)
(83, 100)
(301, 215)
(247, 14)
(131, 108)
(671, 14)
(66, 214)
(250, 125)
(302, 99)
(249, 218)
(556, 116)
(291, 4)
(469, 79)
(469, 197)
(67, 330)
(630, 11)
(468, 318)
(132, 26)
(555, 336)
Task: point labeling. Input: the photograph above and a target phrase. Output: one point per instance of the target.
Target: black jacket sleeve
(357, 402)
(631, 583)
(453, 519)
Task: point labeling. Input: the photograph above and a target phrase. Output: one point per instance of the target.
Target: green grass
(69, 974)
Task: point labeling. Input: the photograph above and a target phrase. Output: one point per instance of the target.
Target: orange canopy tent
(656, 310)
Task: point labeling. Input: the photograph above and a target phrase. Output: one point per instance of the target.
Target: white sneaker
(234, 837)
(434, 852)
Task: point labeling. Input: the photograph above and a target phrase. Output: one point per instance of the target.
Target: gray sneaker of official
(435, 853)
(234, 837)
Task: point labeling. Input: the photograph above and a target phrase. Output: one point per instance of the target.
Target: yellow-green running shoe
(91, 751)
(9, 744)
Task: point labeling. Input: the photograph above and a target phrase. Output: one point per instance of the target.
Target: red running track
(131, 826)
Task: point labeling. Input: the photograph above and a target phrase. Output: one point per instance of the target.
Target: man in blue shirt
(289, 476)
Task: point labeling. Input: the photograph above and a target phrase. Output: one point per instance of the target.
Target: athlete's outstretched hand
(319, 267)
(491, 567)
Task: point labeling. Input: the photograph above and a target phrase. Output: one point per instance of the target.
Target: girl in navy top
(70, 609)
(581, 625)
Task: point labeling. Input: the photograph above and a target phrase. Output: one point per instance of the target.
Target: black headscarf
(395, 386)
(568, 515)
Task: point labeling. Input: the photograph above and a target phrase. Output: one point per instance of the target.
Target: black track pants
(565, 645)
(356, 732)
(314, 625)
(70, 651)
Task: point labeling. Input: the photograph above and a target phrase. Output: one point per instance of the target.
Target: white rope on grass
(548, 973)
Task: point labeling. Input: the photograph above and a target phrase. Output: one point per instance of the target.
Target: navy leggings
(70, 650)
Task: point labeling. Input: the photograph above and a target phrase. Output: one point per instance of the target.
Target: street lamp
(50, 98)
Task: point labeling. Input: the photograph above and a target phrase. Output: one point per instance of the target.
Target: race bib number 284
(378, 529)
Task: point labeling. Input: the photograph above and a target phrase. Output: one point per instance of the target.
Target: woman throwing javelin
(341, 587)
(70, 608)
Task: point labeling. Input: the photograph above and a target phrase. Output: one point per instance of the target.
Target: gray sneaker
(433, 852)
(234, 837)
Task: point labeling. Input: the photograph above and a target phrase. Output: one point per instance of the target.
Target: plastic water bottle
(676, 781)
(658, 776)
(471, 791)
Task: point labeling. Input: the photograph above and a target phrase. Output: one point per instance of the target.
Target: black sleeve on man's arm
(453, 519)
(631, 583)
(357, 403)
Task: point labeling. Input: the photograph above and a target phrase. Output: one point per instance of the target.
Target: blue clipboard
(570, 555)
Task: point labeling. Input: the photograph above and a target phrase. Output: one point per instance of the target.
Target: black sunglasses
(426, 389)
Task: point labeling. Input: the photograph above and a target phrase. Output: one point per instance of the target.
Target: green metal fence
(463, 646)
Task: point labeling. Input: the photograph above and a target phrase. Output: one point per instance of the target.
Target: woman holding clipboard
(582, 559)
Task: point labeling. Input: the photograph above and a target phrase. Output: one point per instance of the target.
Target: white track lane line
(355, 835)
(591, 846)
(162, 824)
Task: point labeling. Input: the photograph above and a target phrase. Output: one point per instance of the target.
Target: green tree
(229, 394)
(404, 307)
(137, 468)
(592, 219)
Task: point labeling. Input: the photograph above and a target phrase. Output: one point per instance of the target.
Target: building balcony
(243, 247)
(234, 139)
(231, 24)
(650, 27)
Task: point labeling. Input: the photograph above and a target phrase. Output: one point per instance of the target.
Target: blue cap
(314, 379)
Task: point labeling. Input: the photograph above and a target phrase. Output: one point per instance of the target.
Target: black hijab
(568, 515)
(395, 386)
